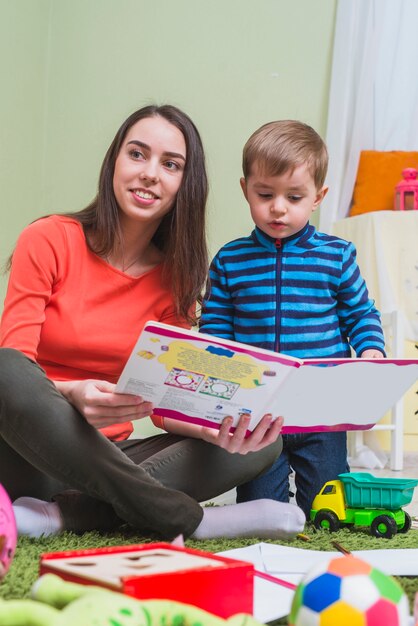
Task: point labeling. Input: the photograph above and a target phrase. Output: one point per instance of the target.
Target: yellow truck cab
(331, 498)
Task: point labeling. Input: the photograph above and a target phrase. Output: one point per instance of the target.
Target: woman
(81, 287)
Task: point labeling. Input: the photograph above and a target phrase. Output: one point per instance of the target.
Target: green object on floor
(25, 567)
(60, 603)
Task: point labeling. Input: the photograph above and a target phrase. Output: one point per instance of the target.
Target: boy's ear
(243, 184)
(320, 195)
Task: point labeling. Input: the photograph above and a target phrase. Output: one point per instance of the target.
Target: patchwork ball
(347, 591)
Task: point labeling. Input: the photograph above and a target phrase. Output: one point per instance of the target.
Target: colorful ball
(8, 533)
(349, 592)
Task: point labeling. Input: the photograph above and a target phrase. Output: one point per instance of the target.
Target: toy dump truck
(360, 499)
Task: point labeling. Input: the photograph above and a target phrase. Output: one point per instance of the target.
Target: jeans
(314, 457)
(48, 449)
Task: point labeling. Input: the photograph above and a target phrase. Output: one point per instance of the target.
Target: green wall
(24, 28)
(72, 70)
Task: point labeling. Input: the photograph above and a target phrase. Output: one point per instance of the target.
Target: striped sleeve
(217, 311)
(358, 316)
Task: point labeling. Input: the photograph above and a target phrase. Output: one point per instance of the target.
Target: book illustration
(240, 367)
(232, 369)
(183, 379)
(219, 388)
(146, 354)
(244, 371)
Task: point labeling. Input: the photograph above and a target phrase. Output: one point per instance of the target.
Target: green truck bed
(365, 491)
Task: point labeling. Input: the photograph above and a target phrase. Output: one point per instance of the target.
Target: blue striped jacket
(303, 296)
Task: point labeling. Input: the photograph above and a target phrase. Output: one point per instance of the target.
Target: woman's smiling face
(149, 170)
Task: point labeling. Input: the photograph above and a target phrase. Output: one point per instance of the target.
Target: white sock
(266, 519)
(35, 518)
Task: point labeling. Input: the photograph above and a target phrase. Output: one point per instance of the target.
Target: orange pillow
(377, 175)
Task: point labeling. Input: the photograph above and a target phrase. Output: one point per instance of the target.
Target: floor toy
(8, 533)
(361, 499)
(347, 591)
(220, 585)
(60, 603)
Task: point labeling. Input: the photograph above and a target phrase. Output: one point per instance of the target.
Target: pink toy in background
(406, 191)
(8, 533)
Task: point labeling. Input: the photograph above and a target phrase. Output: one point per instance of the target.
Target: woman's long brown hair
(181, 236)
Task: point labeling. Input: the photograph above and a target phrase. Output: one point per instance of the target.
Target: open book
(201, 379)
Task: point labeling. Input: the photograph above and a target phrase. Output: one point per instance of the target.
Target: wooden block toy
(220, 585)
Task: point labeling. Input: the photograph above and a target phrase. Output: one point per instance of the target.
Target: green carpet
(24, 569)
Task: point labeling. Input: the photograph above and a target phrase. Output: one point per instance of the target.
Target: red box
(220, 585)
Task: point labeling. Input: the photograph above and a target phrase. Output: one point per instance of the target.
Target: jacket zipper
(279, 249)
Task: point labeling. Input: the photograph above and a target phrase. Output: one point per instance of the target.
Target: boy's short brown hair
(280, 146)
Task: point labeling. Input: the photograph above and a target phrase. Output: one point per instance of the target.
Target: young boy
(291, 289)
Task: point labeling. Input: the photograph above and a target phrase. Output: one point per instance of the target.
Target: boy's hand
(372, 354)
(265, 433)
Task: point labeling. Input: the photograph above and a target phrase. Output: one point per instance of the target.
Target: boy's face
(282, 205)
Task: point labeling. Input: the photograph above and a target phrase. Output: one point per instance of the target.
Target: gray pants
(48, 450)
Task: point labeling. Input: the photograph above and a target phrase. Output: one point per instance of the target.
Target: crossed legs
(155, 485)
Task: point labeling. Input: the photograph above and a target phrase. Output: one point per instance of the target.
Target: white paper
(284, 560)
(273, 601)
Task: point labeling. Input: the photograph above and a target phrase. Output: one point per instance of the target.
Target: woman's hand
(265, 433)
(97, 401)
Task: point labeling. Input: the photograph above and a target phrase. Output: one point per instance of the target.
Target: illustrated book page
(201, 378)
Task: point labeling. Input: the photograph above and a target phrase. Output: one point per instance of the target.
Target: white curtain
(373, 103)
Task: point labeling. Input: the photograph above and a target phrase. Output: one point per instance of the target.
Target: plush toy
(60, 603)
(8, 533)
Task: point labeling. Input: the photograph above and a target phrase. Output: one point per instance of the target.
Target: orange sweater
(74, 314)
